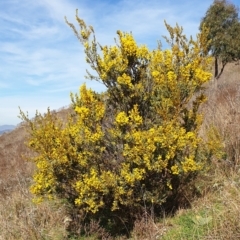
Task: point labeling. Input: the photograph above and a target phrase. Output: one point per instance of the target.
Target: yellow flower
(134, 115)
(122, 119)
(125, 80)
(189, 165)
(175, 169)
(128, 43)
(169, 185)
(82, 111)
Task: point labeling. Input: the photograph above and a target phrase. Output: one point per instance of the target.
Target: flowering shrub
(135, 144)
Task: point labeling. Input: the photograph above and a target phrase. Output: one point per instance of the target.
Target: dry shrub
(94, 229)
(146, 227)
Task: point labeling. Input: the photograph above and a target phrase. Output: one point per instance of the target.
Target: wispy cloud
(41, 59)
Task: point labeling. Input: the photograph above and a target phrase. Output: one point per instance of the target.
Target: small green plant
(189, 225)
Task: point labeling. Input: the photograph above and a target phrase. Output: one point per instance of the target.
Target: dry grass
(22, 219)
(224, 208)
(223, 111)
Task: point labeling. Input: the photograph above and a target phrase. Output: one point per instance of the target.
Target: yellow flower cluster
(91, 185)
(175, 170)
(189, 165)
(82, 111)
(89, 105)
(112, 59)
(125, 80)
(143, 53)
(128, 44)
(134, 116)
(122, 119)
(129, 175)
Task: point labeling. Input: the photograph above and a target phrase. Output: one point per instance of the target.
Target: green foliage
(223, 23)
(188, 225)
(133, 147)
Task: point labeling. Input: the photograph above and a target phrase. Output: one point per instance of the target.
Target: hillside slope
(37, 222)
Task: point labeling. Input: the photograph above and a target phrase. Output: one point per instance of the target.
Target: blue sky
(41, 61)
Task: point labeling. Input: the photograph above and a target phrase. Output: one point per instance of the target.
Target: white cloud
(41, 59)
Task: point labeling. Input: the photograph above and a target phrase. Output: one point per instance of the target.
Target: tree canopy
(222, 21)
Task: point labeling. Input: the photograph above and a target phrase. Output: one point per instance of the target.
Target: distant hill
(4, 131)
(6, 128)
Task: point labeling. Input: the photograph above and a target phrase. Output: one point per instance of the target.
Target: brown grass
(223, 111)
(22, 219)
